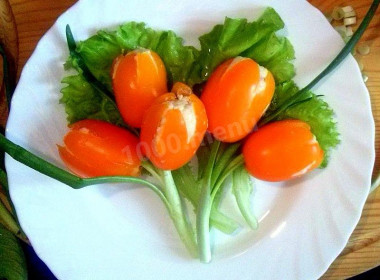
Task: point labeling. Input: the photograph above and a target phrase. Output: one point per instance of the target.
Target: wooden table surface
(34, 17)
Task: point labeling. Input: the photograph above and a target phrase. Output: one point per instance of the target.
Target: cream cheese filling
(261, 85)
(184, 105)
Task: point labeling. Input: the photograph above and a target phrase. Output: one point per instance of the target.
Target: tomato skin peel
(137, 79)
(235, 97)
(173, 128)
(282, 150)
(97, 148)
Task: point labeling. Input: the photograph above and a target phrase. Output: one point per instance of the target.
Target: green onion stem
(22, 155)
(204, 208)
(148, 166)
(223, 161)
(302, 94)
(42, 166)
(235, 163)
(222, 222)
(178, 214)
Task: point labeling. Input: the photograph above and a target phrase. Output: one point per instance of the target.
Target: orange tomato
(137, 79)
(97, 148)
(235, 97)
(282, 150)
(173, 128)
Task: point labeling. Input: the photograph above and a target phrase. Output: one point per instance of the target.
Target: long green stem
(148, 166)
(22, 155)
(303, 93)
(176, 211)
(38, 164)
(188, 187)
(223, 161)
(222, 222)
(178, 214)
(238, 161)
(204, 209)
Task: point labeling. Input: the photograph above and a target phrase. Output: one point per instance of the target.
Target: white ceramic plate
(124, 232)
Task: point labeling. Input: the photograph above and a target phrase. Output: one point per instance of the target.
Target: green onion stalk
(211, 184)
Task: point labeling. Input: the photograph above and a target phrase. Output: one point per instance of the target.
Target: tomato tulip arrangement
(142, 102)
(173, 125)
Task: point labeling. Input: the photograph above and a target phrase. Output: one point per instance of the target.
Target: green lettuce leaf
(256, 40)
(316, 112)
(83, 101)
(99, 51)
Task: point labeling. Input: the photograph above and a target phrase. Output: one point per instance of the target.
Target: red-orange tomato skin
(164, 132)
(137, 79)
(232, 105)
(282, 150)
(97, 148)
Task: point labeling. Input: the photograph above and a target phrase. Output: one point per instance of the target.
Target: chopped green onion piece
(349, 21)
(349, 31)
(349, 14)
(341, 29)
(361, 66)
(345, 32)
(375, 183)
(363, 49)
(336, 14)
(346, 9)
(365, 77)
